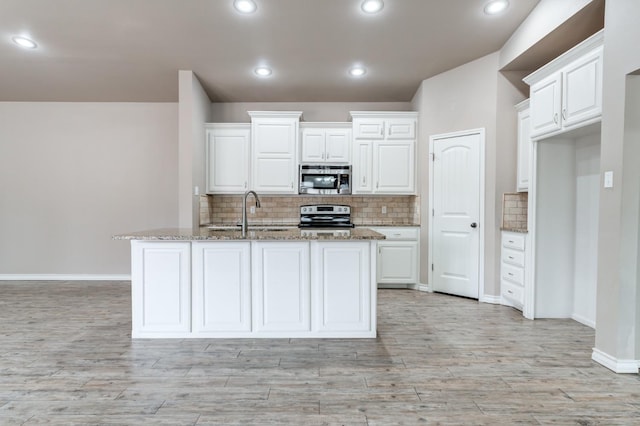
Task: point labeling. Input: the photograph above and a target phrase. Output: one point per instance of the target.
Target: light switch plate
(608, 179)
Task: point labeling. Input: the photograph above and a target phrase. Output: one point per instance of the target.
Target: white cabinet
(524, 146)
(567, 92)
(160, 289)
(274, 141)
(512, 268)
(227, 153)
(362, 171)
(221, 300)
(281, 287)
(325, 143)
(398, 256)
(343, 295)
(384, 154)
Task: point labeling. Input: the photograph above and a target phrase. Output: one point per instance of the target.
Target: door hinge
(433, 212)
(433, 156)
(432, 266)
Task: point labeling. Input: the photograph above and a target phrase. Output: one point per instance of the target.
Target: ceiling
(131, 50)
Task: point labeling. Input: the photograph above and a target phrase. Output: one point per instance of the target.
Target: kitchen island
(273, 283)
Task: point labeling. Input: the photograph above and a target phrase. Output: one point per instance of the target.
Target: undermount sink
(258, 228)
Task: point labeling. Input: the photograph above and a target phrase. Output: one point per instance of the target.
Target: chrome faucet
(244, 210)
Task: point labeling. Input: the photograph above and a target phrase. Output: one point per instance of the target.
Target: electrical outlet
(384, 209)
(252, 209)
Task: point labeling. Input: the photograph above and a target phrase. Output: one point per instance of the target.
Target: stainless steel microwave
(325, 179)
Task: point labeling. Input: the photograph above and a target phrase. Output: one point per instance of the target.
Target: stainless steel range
(325, 216)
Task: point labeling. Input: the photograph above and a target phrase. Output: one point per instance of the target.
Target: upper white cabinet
(274, 141)
(384, 153)
(524, 146)
(567, 92)
(227, 153)
(325, 143)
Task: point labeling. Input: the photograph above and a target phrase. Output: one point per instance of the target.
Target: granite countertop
(519, 230)
(253, 233)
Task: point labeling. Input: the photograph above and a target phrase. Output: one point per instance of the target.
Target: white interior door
(456, 195)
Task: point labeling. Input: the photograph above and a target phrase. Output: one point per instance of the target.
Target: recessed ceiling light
(24, 42)
(263, 71)
(245, 6)
(357, 71)
(372, 6)
(496, 6)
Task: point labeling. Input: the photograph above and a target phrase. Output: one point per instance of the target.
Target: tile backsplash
(514, 210)
(365, 210)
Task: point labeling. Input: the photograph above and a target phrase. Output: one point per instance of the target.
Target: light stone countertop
(519, 230)
(253, 233)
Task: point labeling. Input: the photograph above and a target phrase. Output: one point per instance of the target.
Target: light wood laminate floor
(66, 357)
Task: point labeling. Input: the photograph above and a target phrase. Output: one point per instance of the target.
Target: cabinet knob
(555, 118)
(474, 225)
(564, 113)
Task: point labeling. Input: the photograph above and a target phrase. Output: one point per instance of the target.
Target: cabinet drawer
(393, 233)
(512, 292)
(513, 240)
(513, 274)
(513, 257)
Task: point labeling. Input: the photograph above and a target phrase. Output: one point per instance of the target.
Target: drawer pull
(510, 291)
(397, 235)
(511, 257)
(511, 241)
(510, 274)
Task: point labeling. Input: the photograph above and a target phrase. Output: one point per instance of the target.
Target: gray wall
(194, 111)
(472, 96)
(74, 174)
(616, 311)
(311, 111)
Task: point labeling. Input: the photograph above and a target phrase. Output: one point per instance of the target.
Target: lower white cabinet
(341, 276)
(398, 257)
(281, 287)
(160, 289)
(254, 289)
(512, 268)
(221, 287)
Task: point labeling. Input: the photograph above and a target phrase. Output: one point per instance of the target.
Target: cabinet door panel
(401, 128)
(228, 160)
(221, 286)
(161, 288)
(281, 286)
(368, 128)
(313, 145)
(397, 262)
(395, 171)
(343, 287)
(274, 175)
(274, 138)
(338, 145)
(545, 106)
(363, 168)
(582, 89)
(524, 150)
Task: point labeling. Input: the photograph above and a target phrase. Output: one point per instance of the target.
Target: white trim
(622, 366)
(64, 277)
(528, 308)
(481, 259)
(383, 114)
(584, 321)
(424, 287)
(489, 298)
(275, 114)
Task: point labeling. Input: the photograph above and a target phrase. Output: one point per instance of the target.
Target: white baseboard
(622, 366)
(64, 277)
(488, 298)
(583, 320)
(424, 287)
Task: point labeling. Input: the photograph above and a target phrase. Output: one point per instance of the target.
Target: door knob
(474, 225)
